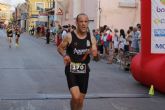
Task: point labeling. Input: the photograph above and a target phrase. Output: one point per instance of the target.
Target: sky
(12, 2)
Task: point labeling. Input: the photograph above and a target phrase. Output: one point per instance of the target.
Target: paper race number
(77, 67)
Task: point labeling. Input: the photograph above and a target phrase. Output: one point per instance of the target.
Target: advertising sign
(158, 27)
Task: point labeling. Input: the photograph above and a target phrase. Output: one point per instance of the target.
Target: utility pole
(16, 14)
(53, 4)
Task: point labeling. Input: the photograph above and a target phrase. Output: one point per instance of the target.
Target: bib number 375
(77, 67)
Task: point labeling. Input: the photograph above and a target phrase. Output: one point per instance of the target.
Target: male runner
(75, 49)
(17, 34)
(9, 33)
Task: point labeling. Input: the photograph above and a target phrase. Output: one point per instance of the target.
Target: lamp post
(53, 3)
(100, 10)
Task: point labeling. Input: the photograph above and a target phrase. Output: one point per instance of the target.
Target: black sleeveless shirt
(78, 48)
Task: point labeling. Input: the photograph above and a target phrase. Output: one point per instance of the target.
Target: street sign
(59, 11)
(34, 16)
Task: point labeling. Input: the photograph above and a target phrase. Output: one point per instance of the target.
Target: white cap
(108, 32)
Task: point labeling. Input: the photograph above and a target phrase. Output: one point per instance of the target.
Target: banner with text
(158, 27)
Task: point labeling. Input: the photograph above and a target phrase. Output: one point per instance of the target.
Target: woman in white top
(122, 40)
(115, 41)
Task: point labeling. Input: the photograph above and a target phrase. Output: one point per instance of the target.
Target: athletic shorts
(17, 35)
(10, 36)
(126, 48)
(116, 50)
(77, 79)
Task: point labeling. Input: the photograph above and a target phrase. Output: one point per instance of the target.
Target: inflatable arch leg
(148, 67)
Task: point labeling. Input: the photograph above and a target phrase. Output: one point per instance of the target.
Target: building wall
(34, 12)
(5, 13)
(67, 9)
(119, 17)
(112, 14)
(90, 8)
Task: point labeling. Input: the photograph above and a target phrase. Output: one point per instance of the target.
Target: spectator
(47, 36)
(134, 45)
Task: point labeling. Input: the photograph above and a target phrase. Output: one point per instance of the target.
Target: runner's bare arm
(62, 47)
(94, 47)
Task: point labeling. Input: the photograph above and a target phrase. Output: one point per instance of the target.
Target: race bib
(77, 67)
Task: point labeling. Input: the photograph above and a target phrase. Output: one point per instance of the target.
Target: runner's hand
(95, 55)
(96, 58)
(67, 60)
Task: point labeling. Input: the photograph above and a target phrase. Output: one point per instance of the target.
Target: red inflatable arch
(148, 67)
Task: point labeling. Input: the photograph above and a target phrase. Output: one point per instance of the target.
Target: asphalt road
(32, 78)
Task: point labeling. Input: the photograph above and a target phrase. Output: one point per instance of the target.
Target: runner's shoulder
(68, 37)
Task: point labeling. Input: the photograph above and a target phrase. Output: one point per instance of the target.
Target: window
(51, 4)
(128, 3)
(40, 6)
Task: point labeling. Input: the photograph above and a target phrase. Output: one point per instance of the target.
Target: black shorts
(76, 79)
(116, 50)
(126, 48)
(17, 35)
(10, 36)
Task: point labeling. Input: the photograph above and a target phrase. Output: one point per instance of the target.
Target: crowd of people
(113, 44)
(56, 33)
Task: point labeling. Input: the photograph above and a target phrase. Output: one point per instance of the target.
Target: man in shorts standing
(75, 49)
